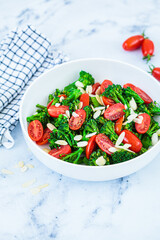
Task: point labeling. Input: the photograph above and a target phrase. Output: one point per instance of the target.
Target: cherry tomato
(45, 137)
(95, 87)
(147, 48)
(145, 97)
(133, 43)
(35, 130)
(108, 101)
(156, 73)
(75, 123)
(54, 111)
(105, 84)
(90, 146)
(49, 104)
(118, 125)
(62, 95)
(104, 143)
(85, 99)
(114, 112)
(144, 126)
(60, 152)
(132, 139)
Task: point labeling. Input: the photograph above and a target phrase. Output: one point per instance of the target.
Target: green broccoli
(154, 127)
(109, 129)
(90, 127)
(146, 141)
(143, 109)
(129, 93)
(143, 150)
(74, 157)
(122, 156)
(95, 155)
(89, 113)
(154, 108)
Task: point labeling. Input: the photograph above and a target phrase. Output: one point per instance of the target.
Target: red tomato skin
(35, 130)
(144, 126)
(104, 143)
(62, 150)
(145, 97)
(54, 111)
(105, 84)
(114, 112)
(49, 104)
(85, 99)
(90, 146)
(156, 73)
(95, 87)
(118, 125)
(147, 47)
(62, 95)
(75, 123)
(108, 101)
(133, 42)
(132, 139)
(45, 137)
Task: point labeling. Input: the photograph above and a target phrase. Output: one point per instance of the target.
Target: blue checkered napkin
(24, 55)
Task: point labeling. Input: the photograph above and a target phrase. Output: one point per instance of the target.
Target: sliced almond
(99, 108)
(80, 105)
(36, 190)
(79, 84)
(120, 139)
(133, 104)
(82, 144)
(99, 99)
(75, 114)
(61, 142)
(91, 134)
(112, 149)
(46, 150)
(43, 186)
(50, 126)
(24, 168)
(81, 89)
(158, 132)
(102, 112)
(101, 161)
(154, 139)
(96, 114)
(6, 171)
(61, 99)
(68, 113)
(21, 164)
(92, 95)
(57, 104)
(92, 108)
(29, 183)
(30, 165)
(98, 91)
(89, 89)
(78, 137)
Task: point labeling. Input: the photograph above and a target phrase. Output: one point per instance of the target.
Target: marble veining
(125, 208)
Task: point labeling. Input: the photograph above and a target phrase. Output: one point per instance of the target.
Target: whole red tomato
(147, 49)
(133, 42)
(155, 71)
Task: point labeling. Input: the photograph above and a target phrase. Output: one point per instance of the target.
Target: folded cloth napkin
(24, 55)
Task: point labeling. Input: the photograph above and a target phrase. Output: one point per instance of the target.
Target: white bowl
(59, 77)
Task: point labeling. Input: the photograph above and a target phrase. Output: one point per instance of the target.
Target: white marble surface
(127, 208)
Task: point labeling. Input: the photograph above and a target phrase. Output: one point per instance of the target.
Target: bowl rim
(68, 164)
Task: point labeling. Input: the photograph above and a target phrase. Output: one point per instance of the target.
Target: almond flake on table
(29, 165)
(78, 137)
(21, 164)
(29, 183)
(50, 126)
(82, 144)
(35, 190)
(6, 171)
(24, 168)
(61, 142)
(43, 186)
(79, 84)
(91, 134)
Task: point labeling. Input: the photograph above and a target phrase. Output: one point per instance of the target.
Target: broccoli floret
(109, 129)
(85, 78)
(57, 92)
(60, 121)
(96, 154)
(74, 157)
(101, 120)
(73, 95)
(122, 156)
(146, 141)
(143, 150)
(90, 127)
(154, 108)
(89, 113)
(129, 93)
(143, 109)
(154, 127)
(115, 92)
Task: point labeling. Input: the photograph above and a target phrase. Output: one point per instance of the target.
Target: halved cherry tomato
(108, 101)
(132, 139)
(45, 137)
(144, 126)
(114, 112)
(145, 97)
(156, 73)
(85, 99)
(90, 146)
(75, 123)
(62, 95)
(35, 130)
(60, 152)
(147, 48)
(133, 42)
(118, 125)
(105, 84)
(95, 87)
(56, 111)
(104, 143)
(49, 104)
